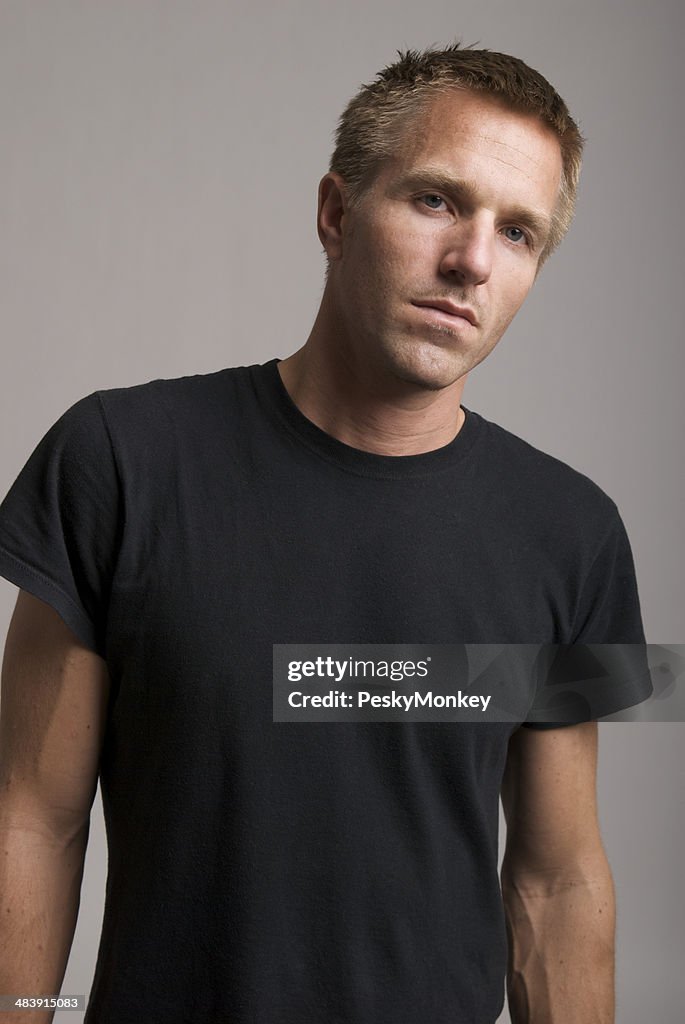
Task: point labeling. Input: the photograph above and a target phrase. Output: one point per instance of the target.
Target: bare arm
(52, 716)
(556, 882)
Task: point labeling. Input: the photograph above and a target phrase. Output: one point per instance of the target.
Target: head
(377, 121)
(453, 178)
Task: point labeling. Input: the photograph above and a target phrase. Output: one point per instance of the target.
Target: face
(459, 218)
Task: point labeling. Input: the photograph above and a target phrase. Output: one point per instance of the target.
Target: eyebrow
(467, 192)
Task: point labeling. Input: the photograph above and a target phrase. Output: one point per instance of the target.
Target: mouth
(449, 310)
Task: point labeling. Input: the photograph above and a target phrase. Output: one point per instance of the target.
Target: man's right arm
(52, 720)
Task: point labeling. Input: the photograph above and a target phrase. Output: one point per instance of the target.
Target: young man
(166, 536)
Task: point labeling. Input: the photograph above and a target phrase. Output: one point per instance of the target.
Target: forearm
(40, 882)
(561, 931)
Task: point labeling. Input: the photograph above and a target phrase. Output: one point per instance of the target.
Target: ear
(332, 210)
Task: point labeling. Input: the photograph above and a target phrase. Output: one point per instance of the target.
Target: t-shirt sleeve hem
(35, 582)
(634, 692)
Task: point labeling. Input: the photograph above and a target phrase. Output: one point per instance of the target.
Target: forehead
(476, 138)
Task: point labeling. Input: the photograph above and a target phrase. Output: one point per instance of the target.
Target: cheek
(382, 268)
(385, 264)
(395, 245)
(515, 287)
(406, 265)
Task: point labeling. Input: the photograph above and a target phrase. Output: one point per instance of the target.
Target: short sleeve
(604, 669)
(60, 522)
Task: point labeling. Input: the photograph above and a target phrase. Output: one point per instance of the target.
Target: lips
(445, 306)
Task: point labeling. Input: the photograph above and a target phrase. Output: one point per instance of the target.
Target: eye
(432, 195)
(516, 235)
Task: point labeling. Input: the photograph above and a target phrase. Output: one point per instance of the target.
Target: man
(166, 536)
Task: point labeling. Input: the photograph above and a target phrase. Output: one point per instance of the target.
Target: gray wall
(157, 209)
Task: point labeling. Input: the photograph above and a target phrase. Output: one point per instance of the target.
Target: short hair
(372, 126)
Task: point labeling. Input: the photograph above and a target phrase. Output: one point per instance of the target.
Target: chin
(424, 381)
(432, 370)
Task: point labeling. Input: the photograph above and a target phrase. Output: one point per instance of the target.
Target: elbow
(587, 870)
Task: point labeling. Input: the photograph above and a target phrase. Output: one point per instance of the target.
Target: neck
(364, 407)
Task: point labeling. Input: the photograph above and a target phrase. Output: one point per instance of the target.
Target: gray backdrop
(157, 206)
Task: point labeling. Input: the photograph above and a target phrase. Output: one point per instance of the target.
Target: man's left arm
(556, 882)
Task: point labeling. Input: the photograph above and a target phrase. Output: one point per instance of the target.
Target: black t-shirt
(270, 872)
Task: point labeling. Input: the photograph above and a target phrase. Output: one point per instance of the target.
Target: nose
(469, 250)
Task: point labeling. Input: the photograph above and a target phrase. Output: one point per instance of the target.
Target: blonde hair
(372, 126)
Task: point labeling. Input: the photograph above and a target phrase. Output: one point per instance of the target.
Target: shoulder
(166, 414)
(544, 486)
(548, 510)
(179, 396)
(144, 430)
